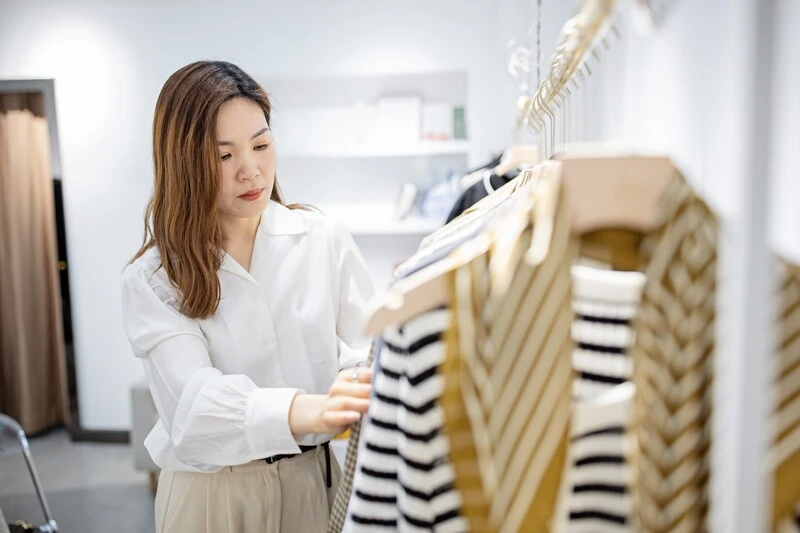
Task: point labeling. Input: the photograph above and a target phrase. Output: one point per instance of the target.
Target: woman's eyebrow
(256, 134)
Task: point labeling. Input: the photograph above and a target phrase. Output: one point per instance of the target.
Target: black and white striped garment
(403, 479)
(598, 480)
(604, 303)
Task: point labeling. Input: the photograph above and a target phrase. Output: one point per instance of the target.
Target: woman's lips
(252, 196)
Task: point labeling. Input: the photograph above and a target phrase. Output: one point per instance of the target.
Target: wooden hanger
(429, 288)
(602, 191)
(481, 208)
(521, 155)
(607, 190)
(419, 292)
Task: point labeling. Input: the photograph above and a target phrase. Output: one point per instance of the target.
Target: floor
(89, 487)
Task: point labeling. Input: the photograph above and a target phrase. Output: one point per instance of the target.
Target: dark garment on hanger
(478, 191)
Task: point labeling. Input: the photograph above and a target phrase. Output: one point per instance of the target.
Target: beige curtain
(32, 363)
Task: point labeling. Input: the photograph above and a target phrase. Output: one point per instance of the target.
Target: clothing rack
(740, 480)
(742, 381)
(580, 39)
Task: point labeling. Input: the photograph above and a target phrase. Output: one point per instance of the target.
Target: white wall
(109, 60)
(693, 90)
(685, 93)
(785, 221)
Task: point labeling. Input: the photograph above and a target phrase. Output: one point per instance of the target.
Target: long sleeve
(355, 289)
(212, 420)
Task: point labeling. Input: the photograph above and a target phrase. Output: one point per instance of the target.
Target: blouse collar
(280, 220)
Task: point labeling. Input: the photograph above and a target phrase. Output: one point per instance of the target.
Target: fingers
(340, 419)
(347, 403)
(348, 398)
(360, 374)
(364, 375)
(345, 388)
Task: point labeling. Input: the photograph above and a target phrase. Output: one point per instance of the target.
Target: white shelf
(418, 226)
(378, 219)
(418, 149)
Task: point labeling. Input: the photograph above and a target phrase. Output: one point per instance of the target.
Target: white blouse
(223, 386)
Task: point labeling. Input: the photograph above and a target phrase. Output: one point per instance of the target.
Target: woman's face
(247, 159)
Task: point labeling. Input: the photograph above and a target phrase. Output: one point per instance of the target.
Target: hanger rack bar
(578, 39)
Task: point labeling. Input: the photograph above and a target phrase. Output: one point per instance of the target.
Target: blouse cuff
(267, 422)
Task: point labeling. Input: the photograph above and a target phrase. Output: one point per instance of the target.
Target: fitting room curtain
(32, 363)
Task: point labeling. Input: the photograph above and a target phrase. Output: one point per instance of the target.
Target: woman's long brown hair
(181, 217)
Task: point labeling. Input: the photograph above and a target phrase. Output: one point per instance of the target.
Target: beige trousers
(288, 496)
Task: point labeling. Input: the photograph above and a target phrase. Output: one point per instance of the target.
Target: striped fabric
(508, 385)
(507, 373)
(604, 303)
(487, 375)
(598, 479)
(437, 246)
(786, 446)
(599, 475)
(404, 480)
(673, 349)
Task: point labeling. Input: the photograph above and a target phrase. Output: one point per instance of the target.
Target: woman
(246, 314)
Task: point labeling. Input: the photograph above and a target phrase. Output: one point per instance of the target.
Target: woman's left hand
(347, 399)
(332, 413)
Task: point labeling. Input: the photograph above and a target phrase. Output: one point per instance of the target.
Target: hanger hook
(552, 116)
(556, 108)
(539, 118)
(565, 94)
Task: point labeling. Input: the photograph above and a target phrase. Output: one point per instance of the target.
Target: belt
(303, 449)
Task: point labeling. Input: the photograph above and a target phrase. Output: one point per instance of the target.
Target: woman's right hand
(347, 399)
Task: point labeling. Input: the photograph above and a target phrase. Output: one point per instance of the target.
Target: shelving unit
(412, 226)
(377, 219)
(329, 156)
(419, 149)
